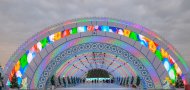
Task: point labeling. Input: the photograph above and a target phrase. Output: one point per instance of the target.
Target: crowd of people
(66, 81)
(131, 82)
(128, 81)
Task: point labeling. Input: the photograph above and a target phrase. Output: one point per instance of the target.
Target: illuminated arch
(56, 65)
(113, 61)
(150, 50)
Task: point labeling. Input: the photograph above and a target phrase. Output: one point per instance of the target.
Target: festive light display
(169, 63)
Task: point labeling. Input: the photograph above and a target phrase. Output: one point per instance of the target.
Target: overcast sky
(20, 19)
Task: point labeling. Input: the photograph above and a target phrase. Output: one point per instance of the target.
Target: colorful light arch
(20, 61)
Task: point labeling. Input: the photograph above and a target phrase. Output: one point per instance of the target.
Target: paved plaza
(98, 86)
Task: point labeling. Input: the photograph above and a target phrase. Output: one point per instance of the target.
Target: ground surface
(98, 86)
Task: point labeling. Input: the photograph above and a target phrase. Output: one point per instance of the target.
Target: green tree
(138, 81)
(59, 79)
(14, 82)
(53, 80)
(97, 73)
(1, 80)
(179, 83)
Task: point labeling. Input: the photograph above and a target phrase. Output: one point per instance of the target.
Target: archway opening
(98, 73)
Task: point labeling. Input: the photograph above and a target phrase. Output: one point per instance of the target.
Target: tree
(14, 82)
(1, 81)
(53, 80)
(179, 83)
(138, 81)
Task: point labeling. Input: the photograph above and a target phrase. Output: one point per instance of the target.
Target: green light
(133, 36)
(44, 42)
(172, 74)
(111, 20)
(23, 60)
(83, 20)
(158, 55)
(182, 61)
(74, 30)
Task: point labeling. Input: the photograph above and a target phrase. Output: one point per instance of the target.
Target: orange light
(126, 32)
(66, 33)
(12, 73)
(90, 28)
(146, 39)
(10, 78)
(152, 46)
(34, 48)
(164, 53)
(17, 66)
(156, 44)
(57, 36)
(171, 59)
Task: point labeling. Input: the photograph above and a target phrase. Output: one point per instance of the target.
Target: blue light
(50, 41)
(166, 64)
(22, 70)
(82, 29)
(144, 43)
(105, 28)
(19, 80)
(114, 29)
(158, 48)
(97, 27)
(27, 52)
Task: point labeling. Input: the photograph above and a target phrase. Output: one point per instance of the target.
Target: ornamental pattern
(95, 46)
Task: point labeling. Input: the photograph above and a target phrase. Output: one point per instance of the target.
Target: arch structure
(74, 47)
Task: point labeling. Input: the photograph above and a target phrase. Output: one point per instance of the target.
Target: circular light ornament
(120, 32)
(166, 64)
(172, 75)
(51, 38)
(105, 28)
(82, 29)
(39, 45)
(178, 69)
(30, 56)
(18, 74)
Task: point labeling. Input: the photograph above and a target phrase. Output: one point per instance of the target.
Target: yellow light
(57, 36)
(177, 69)
(168, 79)
(164, 53)
(126, 32)
(152, 46)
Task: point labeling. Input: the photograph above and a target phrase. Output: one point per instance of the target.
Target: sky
(20, 19)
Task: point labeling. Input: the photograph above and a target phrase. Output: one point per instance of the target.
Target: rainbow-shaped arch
(167, 60)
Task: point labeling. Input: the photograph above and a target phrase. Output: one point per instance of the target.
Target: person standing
(1, 85)
(1, 82)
